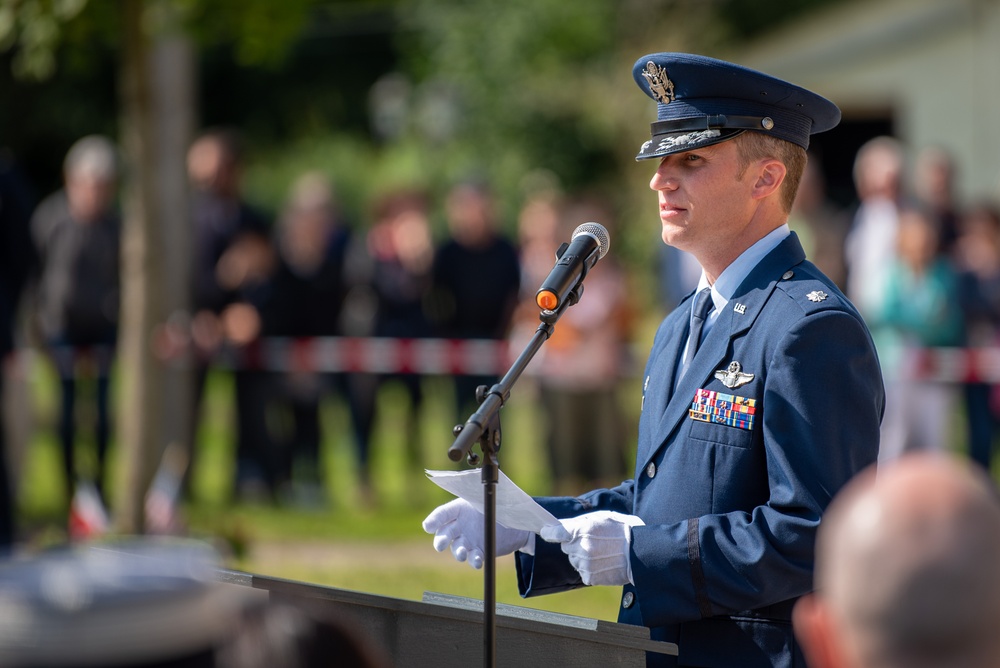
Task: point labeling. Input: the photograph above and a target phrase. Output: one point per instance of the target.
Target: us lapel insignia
(733, 376)
(740, 308)
(816, 296)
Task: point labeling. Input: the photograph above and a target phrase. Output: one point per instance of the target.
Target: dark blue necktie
(702, 307)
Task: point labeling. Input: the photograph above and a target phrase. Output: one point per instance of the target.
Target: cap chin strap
(715, 121)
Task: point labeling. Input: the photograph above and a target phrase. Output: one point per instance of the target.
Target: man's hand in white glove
(597, 545)
(459, 524)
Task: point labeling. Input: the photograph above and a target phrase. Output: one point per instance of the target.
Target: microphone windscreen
(597, 231)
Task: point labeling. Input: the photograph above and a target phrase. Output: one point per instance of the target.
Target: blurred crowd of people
(312, 270)
(923, 269)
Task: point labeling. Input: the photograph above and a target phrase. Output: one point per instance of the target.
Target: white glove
(597, 545)
(459, 524)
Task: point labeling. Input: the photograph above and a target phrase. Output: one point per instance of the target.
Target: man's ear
(815, 633)
(770, 176)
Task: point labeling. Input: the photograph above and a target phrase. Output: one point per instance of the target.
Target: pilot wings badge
(733, 376)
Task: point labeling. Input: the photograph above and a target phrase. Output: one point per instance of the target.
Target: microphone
(589, 243)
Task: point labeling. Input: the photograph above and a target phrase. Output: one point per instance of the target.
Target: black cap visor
(668, 143)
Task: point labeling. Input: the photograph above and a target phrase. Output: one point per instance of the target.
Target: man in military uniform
(762, 395)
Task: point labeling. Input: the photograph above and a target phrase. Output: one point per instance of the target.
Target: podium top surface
(544, 616)
(462, 609)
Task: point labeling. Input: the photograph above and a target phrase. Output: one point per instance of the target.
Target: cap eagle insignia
(660, 85)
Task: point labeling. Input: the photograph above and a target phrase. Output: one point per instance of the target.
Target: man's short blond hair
(757, 146)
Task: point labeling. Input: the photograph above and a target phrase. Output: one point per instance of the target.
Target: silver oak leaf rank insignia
(816, 296)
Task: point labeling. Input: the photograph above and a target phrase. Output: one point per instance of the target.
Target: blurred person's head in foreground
(157, 603)
(906, 570)
(130, 603)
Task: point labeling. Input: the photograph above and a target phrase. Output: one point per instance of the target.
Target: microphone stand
(483, 427)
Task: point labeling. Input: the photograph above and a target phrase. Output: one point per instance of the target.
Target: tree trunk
(155, 227)
(174, 95)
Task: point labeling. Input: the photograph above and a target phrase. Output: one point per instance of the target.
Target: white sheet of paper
(515, 508)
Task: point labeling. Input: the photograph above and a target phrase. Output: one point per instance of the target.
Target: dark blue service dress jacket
(735, 466)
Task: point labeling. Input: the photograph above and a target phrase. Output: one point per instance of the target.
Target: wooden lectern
(446, 631)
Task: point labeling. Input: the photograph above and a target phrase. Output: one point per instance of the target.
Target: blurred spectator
(906, 571)
(304, 299)
(401, 247)
(977, 257)
(17, 261)
(247, 267)
(77, 233)
(934, 180)
(476, 278)
(539, 226)
(920, 309)
(871, 242)
(402, 253)
(579, 369)
(821, 226)
(231, 257)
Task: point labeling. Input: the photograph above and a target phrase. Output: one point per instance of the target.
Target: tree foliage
(501, 90)
(262, 31)
(522, 75)
(37, 30)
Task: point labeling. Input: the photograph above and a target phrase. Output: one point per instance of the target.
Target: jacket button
(651, 470)
(628, 599)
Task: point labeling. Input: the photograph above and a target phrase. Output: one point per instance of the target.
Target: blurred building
(920, 70)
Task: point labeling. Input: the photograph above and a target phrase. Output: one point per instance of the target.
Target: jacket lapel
(737, 317)
(677, 331)
(662, 370)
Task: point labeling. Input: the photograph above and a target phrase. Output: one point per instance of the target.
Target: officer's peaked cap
(702, 101)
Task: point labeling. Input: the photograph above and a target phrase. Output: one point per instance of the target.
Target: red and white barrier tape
(488, 356)
(493, 357)
(323, 354)
(372, 355)
(949, 365)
